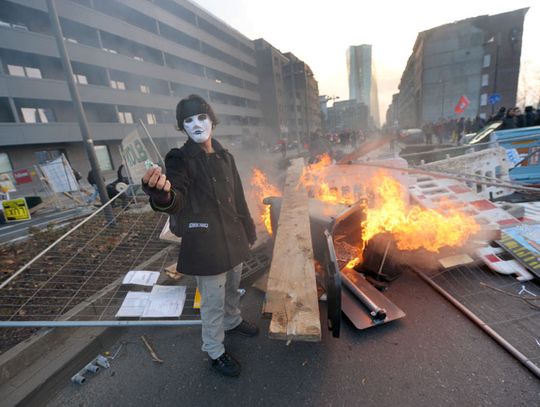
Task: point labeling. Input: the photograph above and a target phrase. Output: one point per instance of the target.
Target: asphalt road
(432, 357)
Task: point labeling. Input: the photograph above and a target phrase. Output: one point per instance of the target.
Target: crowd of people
(513, 118)
(453, 130)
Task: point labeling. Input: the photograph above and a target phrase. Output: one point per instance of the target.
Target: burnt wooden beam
(291, 296)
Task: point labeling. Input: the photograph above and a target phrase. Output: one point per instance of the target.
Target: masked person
(202, 188)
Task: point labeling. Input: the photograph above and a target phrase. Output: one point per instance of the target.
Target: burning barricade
(362, 224)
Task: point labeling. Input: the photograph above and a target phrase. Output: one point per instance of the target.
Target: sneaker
(244, 328)
(226, 365)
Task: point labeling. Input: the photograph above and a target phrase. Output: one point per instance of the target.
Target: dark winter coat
(214, 218)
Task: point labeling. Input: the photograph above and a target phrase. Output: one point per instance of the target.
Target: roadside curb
(59, 353)
(51, 356)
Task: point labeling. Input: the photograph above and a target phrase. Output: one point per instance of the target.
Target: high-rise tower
(362, 79)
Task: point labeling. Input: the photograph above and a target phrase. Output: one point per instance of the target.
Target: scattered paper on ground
(141, 277)
(161, 302)
(133, 305)
(165, 301)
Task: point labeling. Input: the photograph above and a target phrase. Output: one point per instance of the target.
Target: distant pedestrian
(509, 120)
(283, 148)
(529, 116)
(92, 180)
(427, 129)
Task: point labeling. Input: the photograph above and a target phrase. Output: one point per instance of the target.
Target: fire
(313, 178)
(414, 228)
(262, 189)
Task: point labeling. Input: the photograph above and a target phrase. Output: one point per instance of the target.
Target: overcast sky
(320, 32)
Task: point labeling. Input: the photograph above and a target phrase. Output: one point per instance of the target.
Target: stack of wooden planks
(291, 296)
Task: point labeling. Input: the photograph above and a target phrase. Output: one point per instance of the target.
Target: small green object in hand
(148, 164)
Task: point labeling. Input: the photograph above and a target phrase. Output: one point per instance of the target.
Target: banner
(135, 154)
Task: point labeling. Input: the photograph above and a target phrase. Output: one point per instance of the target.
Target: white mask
(198, 127)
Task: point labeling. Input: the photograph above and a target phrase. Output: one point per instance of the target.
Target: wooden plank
(291, 295)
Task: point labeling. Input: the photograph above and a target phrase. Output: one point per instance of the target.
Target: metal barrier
(77, 280)
(30, 181)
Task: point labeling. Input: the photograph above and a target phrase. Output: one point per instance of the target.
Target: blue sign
(494, 98)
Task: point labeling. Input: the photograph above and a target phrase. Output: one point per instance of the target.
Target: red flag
(462, 104)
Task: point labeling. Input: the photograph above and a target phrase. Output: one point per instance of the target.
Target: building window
(21, 27)
(104, 158)
(118, 85)
(483, 99)
(151, 118)
(17, 70)
(485, 79)
(487, 61)
(37, 115)
(33, 72)
(80, 79)
(5, 163)
(125, 117)
(145, 88)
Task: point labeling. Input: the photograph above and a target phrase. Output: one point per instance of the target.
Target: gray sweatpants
(219, 308)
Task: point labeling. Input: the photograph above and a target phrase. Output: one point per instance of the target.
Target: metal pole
(455, 176)
(442, 99)
(483, 326)
(496, 70)
(83, 124)
(78, 324)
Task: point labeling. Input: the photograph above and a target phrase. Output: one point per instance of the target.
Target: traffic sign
(494, 98)
(16, 210)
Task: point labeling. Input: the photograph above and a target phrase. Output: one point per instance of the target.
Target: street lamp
(443, 83)
(325, 99)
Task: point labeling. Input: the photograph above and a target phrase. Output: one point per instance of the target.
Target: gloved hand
(157, 186)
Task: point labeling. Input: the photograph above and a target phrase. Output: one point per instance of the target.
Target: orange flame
(414, 228)
(313, 179)
(262, 188)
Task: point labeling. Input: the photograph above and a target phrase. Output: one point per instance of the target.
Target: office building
(270, 66)
(132, 60)
(302, 97)
(362, 79)
(478, 58)
(347, 115)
